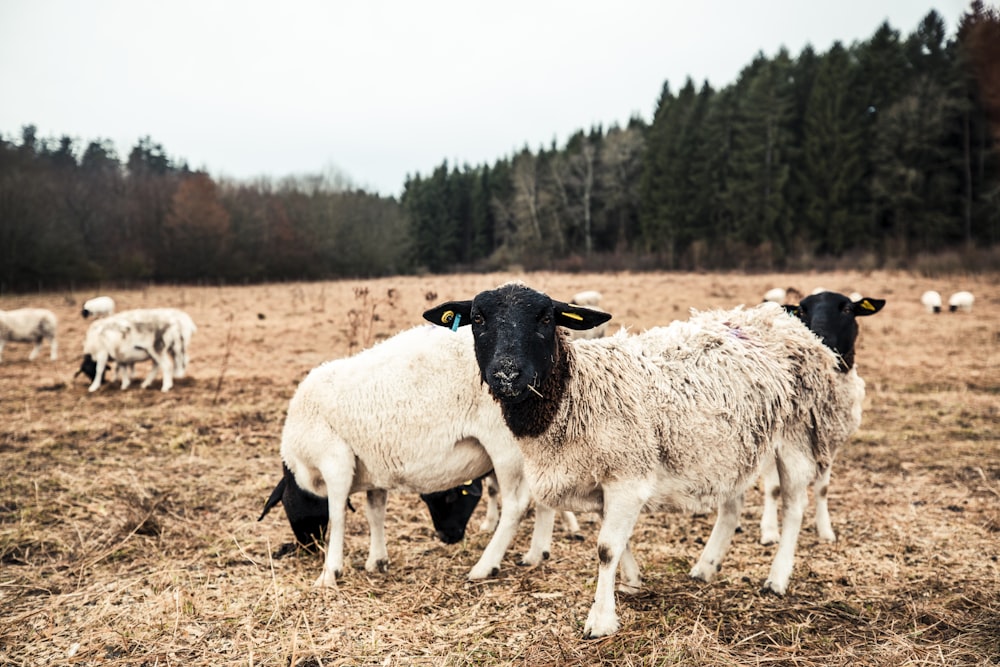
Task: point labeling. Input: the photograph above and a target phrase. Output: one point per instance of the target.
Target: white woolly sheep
(29, 325)
(833, 318)
(129, 337)
(961, 301)
(409, 414)
(99, 306)
(931, 301)
(590, 299)
(780, 295)
(682, 415)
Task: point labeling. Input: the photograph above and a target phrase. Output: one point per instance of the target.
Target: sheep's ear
(452, 314)
(578, 317)
(275, 498)
(867, 306)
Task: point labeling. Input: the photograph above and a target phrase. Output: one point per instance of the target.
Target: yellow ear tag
(867, 305)
(447, 316)
(573, 316)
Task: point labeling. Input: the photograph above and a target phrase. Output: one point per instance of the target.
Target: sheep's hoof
(629, 589)
(705, 574)
(595, 630)
(327, 581)
(770, 589)
(381, 565)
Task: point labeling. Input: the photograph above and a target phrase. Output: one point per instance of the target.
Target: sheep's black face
(451, 510)
(514, 329)
(308, 514)
(833, 317)
(88, 367)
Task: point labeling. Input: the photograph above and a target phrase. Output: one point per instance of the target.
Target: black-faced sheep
(833, 318)
(682, 415)
(129, 337)
(409, 414)
(961, 301)
(99, 306)
(931, 301)
(29, 325)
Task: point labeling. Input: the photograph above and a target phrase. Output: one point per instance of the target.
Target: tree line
(885, 149)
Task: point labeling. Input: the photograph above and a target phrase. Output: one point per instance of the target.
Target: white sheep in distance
(931, 301)
(99, 306)
(682, 415)
(129, 337)
(780, 295)
(961, 301)
(408, 414)
(29, 325)
(833, 318)
(590, 299)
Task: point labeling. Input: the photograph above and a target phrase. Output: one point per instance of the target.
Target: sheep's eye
(545, 319)
(478, 319)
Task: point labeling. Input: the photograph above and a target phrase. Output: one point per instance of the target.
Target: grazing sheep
(129, 337)
(961, 301)
(682, 415)
(782, 296)
(408, 414)
(99, 306)
(833, 318)
(931, 301)
(29, 325)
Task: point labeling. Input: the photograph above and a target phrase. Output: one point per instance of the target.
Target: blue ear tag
(454, 322)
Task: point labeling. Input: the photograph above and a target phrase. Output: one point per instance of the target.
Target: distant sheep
(682, 415)
(129, 337)
(833, 318)
(408, 414)
(29, 325)
(961, 301)
(931, 301)
(780, 295)
(99, 306)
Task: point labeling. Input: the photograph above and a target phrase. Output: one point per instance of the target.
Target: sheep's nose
(506, 370)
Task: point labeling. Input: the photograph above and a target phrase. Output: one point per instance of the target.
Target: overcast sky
(380, 89)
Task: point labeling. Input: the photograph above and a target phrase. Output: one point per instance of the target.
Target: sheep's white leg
(513, 502)
(572, 525)
(714, 552)
(631, 578)
(378, 554)
(795, 470)
(2, 343)
(824, 527)
(151, 375)
(35, 350)
(53, 349)
(541, 535)
(492, 490)
(338, 487)
(771, 487)
(622, 503)
(102, 363)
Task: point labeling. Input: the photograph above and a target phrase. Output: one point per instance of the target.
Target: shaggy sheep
(931, 301)
(99, 306)
(29, 325)
(961, 301)
(682, 415)
(129, 337)
(833, 318)
(408, 414)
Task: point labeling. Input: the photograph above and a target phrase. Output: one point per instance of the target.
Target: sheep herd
(160, 335)
(516, 391)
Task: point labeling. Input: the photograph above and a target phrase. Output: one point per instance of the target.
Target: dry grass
(128, 531)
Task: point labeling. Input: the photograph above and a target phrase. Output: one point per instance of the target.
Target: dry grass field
(129, 533)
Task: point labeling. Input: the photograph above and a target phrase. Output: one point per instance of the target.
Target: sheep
(587, 298)
(129, 337)
(29, 325)
(961, 301)
(99, 306)
(833, 318)
(781, 295)
(931, 301)
(407, 414)
(682, 415)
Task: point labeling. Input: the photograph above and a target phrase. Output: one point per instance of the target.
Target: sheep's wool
(694, 406)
